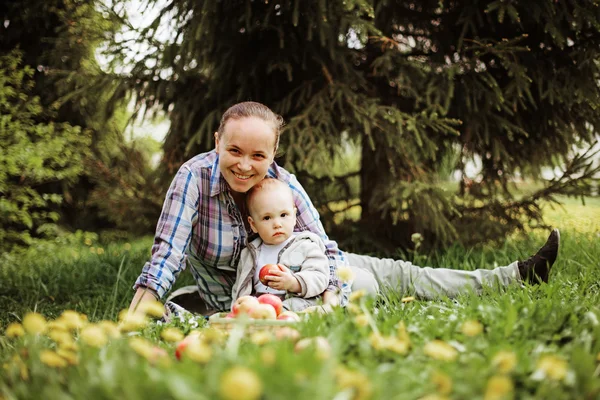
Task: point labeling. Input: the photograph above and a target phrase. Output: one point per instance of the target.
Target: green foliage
(413, 86)
(34, 154)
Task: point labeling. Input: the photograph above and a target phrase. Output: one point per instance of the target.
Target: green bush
(36, 152)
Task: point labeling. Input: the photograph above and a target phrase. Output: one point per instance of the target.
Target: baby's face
(272, 214)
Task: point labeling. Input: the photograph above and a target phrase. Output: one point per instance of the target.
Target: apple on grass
(266, 270)
(181, 346)
(263, 311)
(288, 316)
(243, 305)
(271, 300)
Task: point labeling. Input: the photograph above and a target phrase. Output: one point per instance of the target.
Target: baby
(304, 267)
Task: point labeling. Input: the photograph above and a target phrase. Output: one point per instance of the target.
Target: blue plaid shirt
(201, 226)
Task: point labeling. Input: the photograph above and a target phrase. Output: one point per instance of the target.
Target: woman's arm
(173, 234)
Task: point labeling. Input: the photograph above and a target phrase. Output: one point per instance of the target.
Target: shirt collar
(217, 181)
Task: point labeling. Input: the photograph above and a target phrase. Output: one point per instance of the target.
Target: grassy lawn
(533, 342)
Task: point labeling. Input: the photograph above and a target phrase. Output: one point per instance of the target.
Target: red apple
(266, 270)
(288, 316)
(271, 300)
(263, 311)
(181, 346)
(243, 305)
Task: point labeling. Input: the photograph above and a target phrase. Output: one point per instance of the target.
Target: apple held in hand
(271, 300)
(263, 311)
(266, 270)
(244, 305)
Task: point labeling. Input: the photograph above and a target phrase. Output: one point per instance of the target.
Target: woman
(204, 224)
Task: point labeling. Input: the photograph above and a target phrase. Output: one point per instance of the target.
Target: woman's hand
(142, 295)
(283, 279)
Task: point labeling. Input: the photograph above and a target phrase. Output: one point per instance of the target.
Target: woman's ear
(252, 226)
(217, 142)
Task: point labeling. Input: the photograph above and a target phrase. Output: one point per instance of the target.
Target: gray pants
(425, 283)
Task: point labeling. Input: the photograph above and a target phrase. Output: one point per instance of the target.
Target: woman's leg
(425, 283)
(428, 283)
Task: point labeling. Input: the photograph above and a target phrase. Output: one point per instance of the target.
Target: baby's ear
(251, 221)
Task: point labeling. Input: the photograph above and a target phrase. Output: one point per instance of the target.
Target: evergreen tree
(421, 88)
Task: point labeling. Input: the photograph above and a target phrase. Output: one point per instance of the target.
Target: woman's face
(246, 149)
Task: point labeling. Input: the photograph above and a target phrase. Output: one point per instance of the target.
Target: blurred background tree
(385, 102)
(56, 44)
(412, 90)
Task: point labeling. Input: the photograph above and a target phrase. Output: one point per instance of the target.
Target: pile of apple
(265, 306)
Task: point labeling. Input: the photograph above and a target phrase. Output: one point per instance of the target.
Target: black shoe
(537, 267)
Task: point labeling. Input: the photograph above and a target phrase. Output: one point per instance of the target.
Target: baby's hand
(283, 279)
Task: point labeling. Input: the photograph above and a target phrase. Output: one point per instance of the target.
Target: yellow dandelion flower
(71, 357)
(57, 325)
(152, 308)
(442, 382)
(198, 351)
(396, 345)
(133, 322)
(60, 336)
(110, 328)
(498, 387)
(51, 359)
(377, 341)
(472, 328)
(440, 350)
(268, 356)
(408, 299)
(354, 380)
(34, 323)
(213, 336)
(68, 346)
(72, 319)
(402, 333)
(553, 367)
(240, 383)
(99, 251)
(353, 308)
(505, 361)
(127, 246)
(92, 249)
(88, 241)
(23, 371)
(261, 338)
(14, 330)
(142, 346)
(94, 336)
(357, 295)
(171, 335)
(345, 274)
(361, 320)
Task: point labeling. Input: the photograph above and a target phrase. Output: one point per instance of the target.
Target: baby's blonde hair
(266, 184)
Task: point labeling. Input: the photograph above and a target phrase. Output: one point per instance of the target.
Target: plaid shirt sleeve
(173, 233)
(308, 219)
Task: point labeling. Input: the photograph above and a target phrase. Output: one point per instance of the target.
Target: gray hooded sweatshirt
(304, 255)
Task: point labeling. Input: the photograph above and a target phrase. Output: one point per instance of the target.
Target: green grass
(560, 319)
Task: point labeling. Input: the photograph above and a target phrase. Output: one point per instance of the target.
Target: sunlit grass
(533, 342)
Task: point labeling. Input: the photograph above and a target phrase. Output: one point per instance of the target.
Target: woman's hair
(252, 109)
